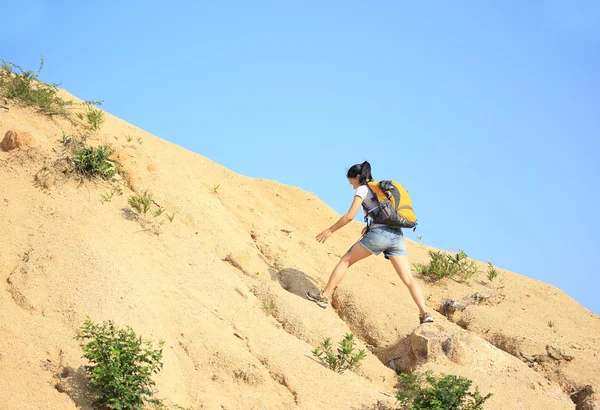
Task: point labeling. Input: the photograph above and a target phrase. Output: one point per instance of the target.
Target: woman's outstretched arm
(344, 220)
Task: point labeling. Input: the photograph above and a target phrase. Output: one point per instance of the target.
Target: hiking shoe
(318, 299)
(425, 318)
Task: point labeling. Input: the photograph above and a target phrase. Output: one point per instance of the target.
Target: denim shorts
(384, 239)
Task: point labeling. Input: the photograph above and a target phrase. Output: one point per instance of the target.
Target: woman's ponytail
(362, 171)
(365, 173)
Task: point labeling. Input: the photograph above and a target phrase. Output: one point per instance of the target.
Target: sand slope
(223, 286)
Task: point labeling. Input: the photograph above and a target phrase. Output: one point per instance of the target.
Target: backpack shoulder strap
(374, 188)
(377, 188)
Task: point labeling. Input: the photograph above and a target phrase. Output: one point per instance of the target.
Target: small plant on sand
(122, 364)
(94, 161)
(170, 217)
(107, 197)
(158, 212)
(24, 87)
(344, 358)
(492, 272)
(93, 118)
(268, 307)
(216, 188)
(128, 138)
(65, 138)
(141, 203)
(438, 392)
(139, 140)
(442, 265)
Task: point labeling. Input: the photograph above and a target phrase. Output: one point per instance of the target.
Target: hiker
(376, 238)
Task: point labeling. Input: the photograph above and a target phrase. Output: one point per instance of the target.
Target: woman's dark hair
(363, 171)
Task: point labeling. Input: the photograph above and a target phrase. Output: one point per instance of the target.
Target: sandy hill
(223, 285)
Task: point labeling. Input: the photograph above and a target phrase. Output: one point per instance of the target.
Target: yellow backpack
(395, 207)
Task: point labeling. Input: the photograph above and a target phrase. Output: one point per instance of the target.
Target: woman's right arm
(344, 220)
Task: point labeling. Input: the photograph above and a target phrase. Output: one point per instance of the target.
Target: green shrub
(94, 161)
(441, 392)
(24, 87)
(442, 265)
(121, 365)
(344, 359)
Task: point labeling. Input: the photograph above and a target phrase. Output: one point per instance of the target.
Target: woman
(378, 238)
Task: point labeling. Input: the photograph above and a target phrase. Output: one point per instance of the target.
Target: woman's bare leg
(356, 253)
(402, 267)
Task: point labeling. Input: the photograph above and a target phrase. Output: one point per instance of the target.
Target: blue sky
(487, 112)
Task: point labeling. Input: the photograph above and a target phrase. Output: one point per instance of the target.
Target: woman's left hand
(322, 237)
